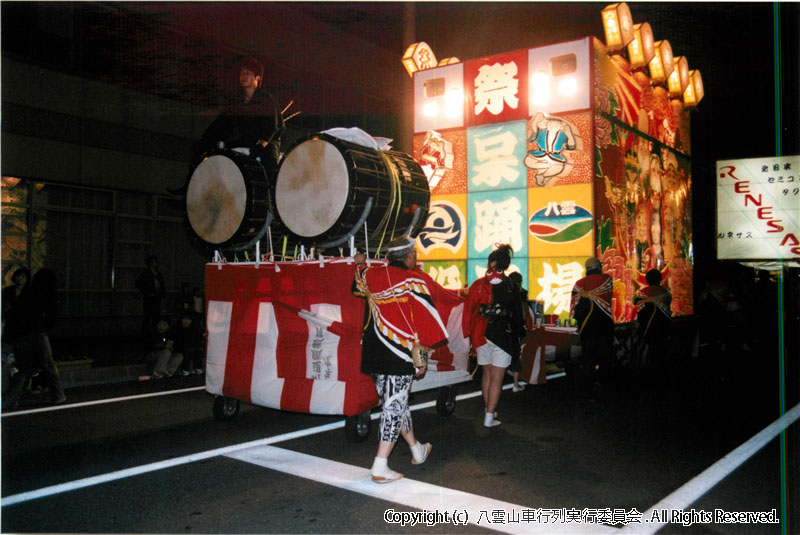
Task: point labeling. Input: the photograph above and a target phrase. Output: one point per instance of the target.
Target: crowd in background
(171, 342)
(736, 314)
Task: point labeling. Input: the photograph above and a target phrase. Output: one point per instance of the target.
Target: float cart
(287, 335)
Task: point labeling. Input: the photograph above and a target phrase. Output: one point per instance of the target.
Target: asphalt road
(150, 458)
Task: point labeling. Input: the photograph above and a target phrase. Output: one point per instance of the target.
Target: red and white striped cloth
(287, 335)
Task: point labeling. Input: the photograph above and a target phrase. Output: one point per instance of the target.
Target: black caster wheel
(356, 428)
(446, 400)
(225, 408)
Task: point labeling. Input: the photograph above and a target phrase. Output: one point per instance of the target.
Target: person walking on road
(591, 308)
(493, 319)
(400, 324)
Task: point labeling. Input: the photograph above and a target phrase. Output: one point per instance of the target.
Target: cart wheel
(225, 408)
(356, 428)
(446, 400)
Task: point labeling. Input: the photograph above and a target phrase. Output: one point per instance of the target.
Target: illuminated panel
(551, 281)
(560, 77)
(444, 235)
(497, 87)
(495, 157)
(443, 158)
(439, 98)
(557, 153)
(560, 221)
(497, 217)
(449, 273)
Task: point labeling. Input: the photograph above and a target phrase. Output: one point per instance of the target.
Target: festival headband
(409, 244)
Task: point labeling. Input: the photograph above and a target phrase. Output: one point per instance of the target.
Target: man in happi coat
(654, 317)
(400, 319)
(591, 308)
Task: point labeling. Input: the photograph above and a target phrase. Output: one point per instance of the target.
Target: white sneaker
(518, 388)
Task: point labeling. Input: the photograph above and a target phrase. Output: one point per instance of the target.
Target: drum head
(216, 199)
(312, 187)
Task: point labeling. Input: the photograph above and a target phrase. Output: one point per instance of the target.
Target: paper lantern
(661, 66)
(618, 25)
(694, 90)
(418, 56)
(641, 49)
(679, 78)
(449, 61)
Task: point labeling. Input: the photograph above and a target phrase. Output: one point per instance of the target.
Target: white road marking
(160, 465)
(462, 506)
(139, 470)
(98, 402)
(420, 495)
(693, 490)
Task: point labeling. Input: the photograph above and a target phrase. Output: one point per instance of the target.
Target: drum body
(228, 200)
(327, 188)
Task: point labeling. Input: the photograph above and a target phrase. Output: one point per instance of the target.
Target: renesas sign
(758, 208)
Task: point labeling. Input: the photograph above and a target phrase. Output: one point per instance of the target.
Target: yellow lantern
(449, 61)
(679, 78)
(618, 25)
(661, 66)
(694, 90)
(418, 56)
(641, 49)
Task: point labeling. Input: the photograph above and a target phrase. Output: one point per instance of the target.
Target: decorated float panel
(287, 335)
(564, 151)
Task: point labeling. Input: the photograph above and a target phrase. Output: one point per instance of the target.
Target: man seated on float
(251, 124)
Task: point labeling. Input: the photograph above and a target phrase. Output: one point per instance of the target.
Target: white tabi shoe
(420, 452)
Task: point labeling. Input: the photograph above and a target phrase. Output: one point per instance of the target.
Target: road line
(693, 490)
(181, 391)
(160, 465)
(98, 402)
(479, 510)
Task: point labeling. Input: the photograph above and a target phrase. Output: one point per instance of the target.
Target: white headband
(409, 243)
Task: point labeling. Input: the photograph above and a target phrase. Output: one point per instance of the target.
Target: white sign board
(758, 208)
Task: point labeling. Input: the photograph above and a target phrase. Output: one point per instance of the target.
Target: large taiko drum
(328, 188)
(228, 200)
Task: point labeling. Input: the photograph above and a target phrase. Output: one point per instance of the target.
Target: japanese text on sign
(758, 208)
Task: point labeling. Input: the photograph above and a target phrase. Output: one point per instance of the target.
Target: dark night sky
(732, 44)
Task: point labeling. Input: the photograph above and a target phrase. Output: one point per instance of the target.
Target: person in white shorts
(495, 325)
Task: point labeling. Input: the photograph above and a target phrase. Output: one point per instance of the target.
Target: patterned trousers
(393, 390)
